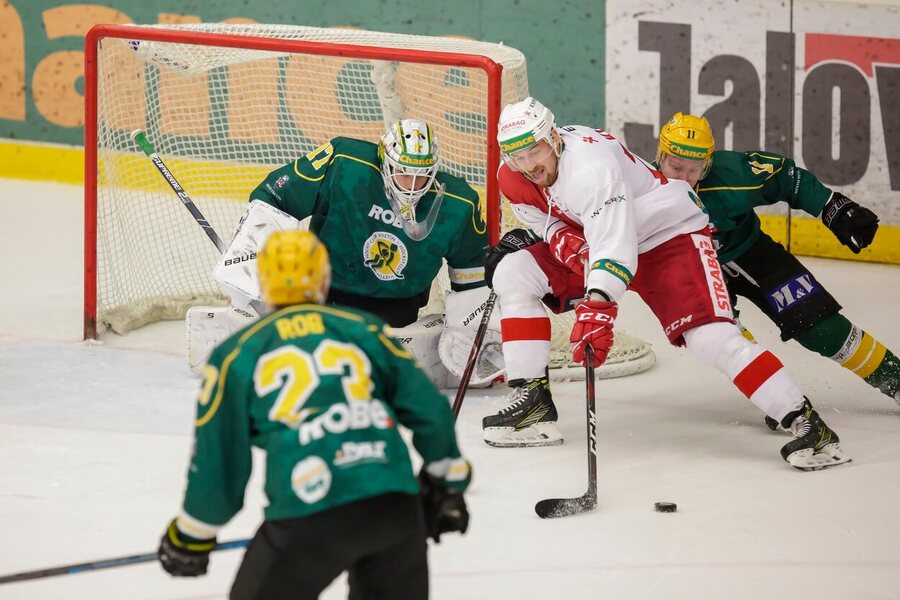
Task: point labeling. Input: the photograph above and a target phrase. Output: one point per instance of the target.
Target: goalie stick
(473, 354)
(563, 507)
(103, 564)
(141, 140)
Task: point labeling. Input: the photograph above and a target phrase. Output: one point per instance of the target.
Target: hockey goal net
(224, 104)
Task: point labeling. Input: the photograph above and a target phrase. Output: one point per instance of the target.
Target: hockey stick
(563, 507)
(473, 353)
(103, 564)
(141, 140)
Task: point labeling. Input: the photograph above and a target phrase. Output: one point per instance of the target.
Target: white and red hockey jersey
(623, 205)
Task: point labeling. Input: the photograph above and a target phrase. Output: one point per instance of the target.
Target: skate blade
(541, 434)
(830, 456)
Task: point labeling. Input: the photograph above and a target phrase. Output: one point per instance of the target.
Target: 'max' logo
(794, 290)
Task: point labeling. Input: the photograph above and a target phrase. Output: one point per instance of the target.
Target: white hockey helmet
(523, 125)
(408, 148)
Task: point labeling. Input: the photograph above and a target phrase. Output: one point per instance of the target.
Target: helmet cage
(408, 148)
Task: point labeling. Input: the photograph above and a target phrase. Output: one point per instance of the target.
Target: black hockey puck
(665, 507)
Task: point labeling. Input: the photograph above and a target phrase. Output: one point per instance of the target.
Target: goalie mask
(409, 166)
(293, 269)
(687, 137)
(523, 125)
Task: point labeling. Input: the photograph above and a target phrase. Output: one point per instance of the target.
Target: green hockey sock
(854, 349)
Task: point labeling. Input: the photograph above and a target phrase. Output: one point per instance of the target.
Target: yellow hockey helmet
(293, 268)
(688, 137)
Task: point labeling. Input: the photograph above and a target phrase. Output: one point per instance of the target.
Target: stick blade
(553, 508)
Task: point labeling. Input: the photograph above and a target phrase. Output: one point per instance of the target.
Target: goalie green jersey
(321, 390)
(340, 186)
(738, 182)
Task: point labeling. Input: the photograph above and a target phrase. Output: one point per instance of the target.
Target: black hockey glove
(445, 509)
(183, 556)
(512, 240)
(853, 225)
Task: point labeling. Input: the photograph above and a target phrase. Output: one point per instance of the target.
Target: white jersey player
(594, 203)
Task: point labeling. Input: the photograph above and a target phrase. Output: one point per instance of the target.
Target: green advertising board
(42, 42)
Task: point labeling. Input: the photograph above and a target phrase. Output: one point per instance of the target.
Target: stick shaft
(473, 353)
(96, 565)
(564, 507)
(141, 139)
(590, 396)
(150, 151)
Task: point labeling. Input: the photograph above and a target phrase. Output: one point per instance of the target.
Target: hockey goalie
(389, 218)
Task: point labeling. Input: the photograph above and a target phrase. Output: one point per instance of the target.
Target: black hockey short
(396, 312)
(381, 541)
(775, 281)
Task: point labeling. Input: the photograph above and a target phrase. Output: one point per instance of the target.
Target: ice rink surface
(94, 443)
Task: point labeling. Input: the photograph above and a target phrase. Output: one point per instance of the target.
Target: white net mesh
(223, 117)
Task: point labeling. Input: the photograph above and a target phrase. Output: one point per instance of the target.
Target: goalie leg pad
(462, 317)
(421, 339)
(208, 326)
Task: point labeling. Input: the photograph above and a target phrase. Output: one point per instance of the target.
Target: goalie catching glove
(853, 225)
(570, 248)
(594, 320)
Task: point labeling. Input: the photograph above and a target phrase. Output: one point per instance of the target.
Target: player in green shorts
(730, 185)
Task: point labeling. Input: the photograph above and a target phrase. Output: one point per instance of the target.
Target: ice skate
(772, 423)
(528, 420)
(815, 445)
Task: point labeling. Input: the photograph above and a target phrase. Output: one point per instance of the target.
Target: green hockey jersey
(738, 182)
(321, 390)
(340, 186)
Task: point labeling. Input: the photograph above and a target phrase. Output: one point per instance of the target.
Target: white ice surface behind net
(94, 443)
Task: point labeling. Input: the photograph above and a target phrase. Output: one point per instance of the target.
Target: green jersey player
(322, 391)
(730, 185)
(388, 217)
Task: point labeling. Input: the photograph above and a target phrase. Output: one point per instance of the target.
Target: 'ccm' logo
(678, 323)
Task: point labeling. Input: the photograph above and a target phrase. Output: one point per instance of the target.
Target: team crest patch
(281, 181)
(386, 255)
